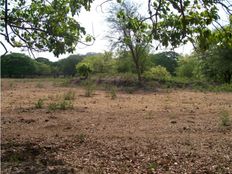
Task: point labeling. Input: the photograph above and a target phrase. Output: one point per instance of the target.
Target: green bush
(189, 67)
(84, 69)
(157, 72)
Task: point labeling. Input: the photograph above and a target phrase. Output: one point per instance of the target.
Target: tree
(17, 65)
(51, 25)
(43, 25)
(43, 60)
(68, 66)
(176, 22)
(215, 52)
(166, 59)
(125, 22)
(43, 69)
(189, 67)
(84, 69)
(100, 63)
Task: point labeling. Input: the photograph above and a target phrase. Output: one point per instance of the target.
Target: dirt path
(174, 131)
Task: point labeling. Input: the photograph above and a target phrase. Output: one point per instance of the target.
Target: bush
(189, 67)
(84, 69)
(157, 72)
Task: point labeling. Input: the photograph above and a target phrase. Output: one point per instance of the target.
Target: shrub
(157, 72)
(84, 70)
(189, 67)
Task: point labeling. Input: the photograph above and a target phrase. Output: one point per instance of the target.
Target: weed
(151, 167)
(129, 90)
(39, 104)
(225, 119)
(65, 83)
(52, 106)
(81, 138)
(39, 85)
(70, 95)
(89, 89)
(15, 158)
(11, 85)
(113, 93)
(62, 105)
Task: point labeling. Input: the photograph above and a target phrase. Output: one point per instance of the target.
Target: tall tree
(131, 33)
(215, 51)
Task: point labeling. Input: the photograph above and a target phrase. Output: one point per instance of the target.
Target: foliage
(126, 23)
(42, 69)
(216, 55)
(43, 25)
(124, 63)
(17, 65)
(189, 67)
(166, 59)
(84, 69)
(157, 72)
(68, 65)
(43, 60)
(100, 63)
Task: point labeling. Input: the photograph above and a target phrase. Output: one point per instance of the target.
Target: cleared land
(175, 131)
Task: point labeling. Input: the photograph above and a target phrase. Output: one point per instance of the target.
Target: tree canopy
(43, 25)
(52, 25)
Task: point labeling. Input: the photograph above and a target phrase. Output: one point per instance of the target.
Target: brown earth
(169, 131)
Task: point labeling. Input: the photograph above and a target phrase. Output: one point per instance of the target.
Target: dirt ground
(168, 131)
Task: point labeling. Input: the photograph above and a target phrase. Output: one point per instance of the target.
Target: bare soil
(168, 131)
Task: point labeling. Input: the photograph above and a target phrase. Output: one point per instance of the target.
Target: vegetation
(89, 88)
(62, 105)
(157, 72)
(70, 95)
(172, 25)
(225, 119)
(39, 104)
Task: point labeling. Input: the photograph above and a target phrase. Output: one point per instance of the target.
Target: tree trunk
(227, 77)
(138, 70)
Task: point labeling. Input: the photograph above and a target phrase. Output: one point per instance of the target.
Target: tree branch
(6, 51)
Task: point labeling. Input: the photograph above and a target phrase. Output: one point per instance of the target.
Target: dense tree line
(21, 65)
(205, 65)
